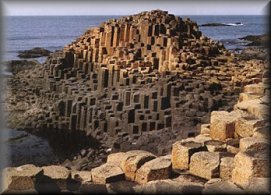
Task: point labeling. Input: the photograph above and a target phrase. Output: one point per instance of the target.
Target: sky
(121, 7)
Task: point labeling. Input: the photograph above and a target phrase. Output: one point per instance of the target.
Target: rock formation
(153, 72)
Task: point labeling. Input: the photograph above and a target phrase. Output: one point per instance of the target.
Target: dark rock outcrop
(34, 53)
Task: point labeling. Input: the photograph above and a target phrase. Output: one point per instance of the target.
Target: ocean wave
(234, 24)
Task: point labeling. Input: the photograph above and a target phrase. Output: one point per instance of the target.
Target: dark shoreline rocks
(256, 40)
(34, 53)
(15, 66)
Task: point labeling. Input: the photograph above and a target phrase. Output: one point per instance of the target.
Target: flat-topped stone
(156, 169)
(21, 178)
(182, 152)
(107, 173)
(133, 161)
(205, 164)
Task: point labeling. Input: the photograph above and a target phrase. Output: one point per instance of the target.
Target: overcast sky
(121, 7)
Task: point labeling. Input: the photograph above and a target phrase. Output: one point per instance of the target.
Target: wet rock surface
(34, 53)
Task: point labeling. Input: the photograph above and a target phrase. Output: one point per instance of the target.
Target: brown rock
(22, 178)
(116, 158)
(248, 166)
(205, 129)
(58, 175)
(81, 176)
(222, 125)
(252, 145)
(156, 169)
(259, 185)
(215, 146)
(205, 165)
(226, 167)
(220, 186)
(91, 188)
(244, 127)
(107, 173)
(182, 152)
(133, 161)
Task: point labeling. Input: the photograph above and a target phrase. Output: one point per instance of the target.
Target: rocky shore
(135, 93)
(229, 156)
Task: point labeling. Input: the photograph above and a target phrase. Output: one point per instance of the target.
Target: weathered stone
(244, 127)
(121, 187)
(248, 166)
(107, 173)
(222, 125)
(182, 152)
(215, 146)
(156, 169)
(214, 186)
(21, 178)
(259, 185)
(205, 129)
(57, 175)
(232, 146)
(133, 161)
(253, 145)
(91, 188)
(116, 158)
(81, 176)
(168, 187)
(226, 167)
(205, 164)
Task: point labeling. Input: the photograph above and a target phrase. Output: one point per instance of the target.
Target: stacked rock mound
(137, 74)
(230, 155)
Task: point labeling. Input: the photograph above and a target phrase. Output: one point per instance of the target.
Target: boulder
(254, 107)
(218, 186)
(215, 146)
(252, 145)
(107, 173)
(156, 169)
(222, 125)
(232, 146)
(205, 129)
(91, 188)
(121, 187)
(244, 127)
(259, 185)
(249, 166)
(134, 159)
(205, 165)
(255, 88)
(55, 176)
(116, 158)
(20, 179)
(226, 167)
(182, 152)
(81, 176)
(168, 187)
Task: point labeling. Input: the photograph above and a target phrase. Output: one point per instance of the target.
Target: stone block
(244, 127)
(226, 167)
(205, 165)
(215, 146)
(205, 129)
(249, 166)
(222, 125)
(133, 161)
(116, 158)
(57, 176)
(182, 152)
(19, 179)
(81, 176)
(107, 173)
(156, 169)
(252, 145)
(217, 186)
